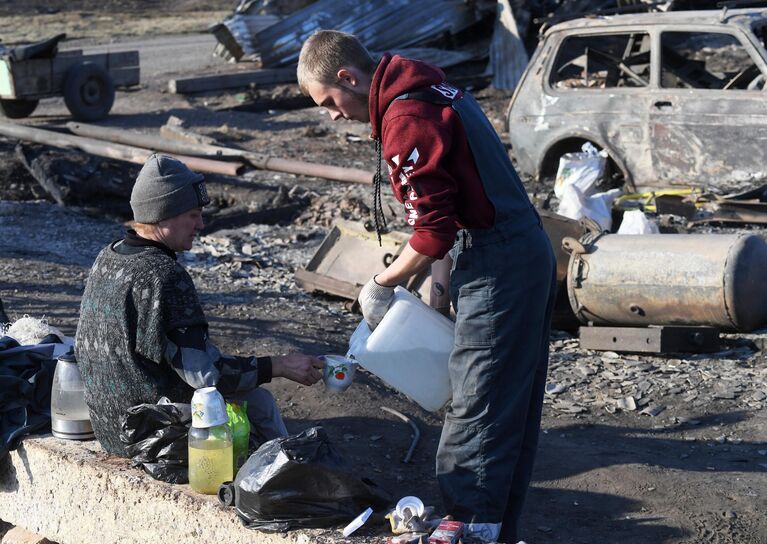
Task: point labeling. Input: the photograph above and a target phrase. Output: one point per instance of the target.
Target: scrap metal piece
(559, 228)
(653, 410)
(378, 25)
(235, 34)
(416, 431)
(663, 339)
(508, 56)
(671, 279)
(347, 258)
(737, 211)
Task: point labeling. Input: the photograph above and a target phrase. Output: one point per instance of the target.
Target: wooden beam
(232, 81)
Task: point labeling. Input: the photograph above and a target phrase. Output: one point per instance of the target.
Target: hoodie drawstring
(378, 215)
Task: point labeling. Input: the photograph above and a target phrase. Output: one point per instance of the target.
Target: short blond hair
(325, 52)
(144, 229)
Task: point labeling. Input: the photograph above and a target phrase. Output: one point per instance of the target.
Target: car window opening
(707, 60)
(603, 61)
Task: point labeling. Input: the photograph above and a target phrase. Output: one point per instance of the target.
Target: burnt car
(674, 98)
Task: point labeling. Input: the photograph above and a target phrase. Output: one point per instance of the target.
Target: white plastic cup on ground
(410, 506)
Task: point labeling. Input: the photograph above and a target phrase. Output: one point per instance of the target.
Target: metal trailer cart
(87, 82)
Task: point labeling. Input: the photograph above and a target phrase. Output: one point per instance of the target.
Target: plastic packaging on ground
(582, 170)
(300, 481)
(240, 426)
(574, 205)
(636, 222)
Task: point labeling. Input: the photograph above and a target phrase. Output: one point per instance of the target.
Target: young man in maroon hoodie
(472, 220)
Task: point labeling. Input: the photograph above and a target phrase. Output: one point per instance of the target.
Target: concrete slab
(73, 492)
(17, 535)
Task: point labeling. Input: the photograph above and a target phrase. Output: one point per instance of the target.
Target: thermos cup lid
(68, 357)
(208, 408)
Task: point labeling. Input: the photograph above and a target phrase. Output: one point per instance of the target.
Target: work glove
(374, 302)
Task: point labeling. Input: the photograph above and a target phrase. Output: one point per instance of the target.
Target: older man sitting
(142, 333)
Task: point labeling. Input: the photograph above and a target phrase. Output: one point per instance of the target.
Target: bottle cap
(208, 408)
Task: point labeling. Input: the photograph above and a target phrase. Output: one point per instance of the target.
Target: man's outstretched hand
(302, 369)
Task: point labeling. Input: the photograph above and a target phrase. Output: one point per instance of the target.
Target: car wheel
(89, 92)
(17, 109)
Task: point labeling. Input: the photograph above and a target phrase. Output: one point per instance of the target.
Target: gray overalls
(502, 285)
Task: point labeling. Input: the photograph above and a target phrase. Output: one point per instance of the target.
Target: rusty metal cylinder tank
(671, 279)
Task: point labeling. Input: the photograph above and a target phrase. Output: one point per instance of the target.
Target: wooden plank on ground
(232, 81)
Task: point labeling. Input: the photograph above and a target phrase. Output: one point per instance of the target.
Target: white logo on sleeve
(406, 169)
(412, 159)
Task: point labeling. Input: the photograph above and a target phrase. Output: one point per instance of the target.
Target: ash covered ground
(685, 460)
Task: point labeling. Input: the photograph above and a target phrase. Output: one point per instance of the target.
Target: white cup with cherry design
(338, 373)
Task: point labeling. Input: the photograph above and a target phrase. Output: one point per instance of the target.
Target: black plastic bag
(156, 438)
(301, 481)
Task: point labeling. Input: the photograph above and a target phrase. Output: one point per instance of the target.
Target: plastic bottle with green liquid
(210, 442)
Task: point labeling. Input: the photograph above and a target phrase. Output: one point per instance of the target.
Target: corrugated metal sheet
(243, 27)
(437, 57)
(508, 57)
(380, 24)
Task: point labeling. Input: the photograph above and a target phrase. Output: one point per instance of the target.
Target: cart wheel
(89, 92)
(17, 109)
(226, 494)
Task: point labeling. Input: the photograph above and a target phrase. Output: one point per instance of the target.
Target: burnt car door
(600, 81)
(709, 116)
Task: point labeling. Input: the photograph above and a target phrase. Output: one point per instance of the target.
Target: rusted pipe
(110, 150)
(152, 141)
(208, 166)
(416, 431)
(337, 173)
(671, 279)
(257, 160)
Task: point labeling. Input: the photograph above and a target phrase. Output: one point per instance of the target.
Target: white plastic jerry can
(409, 350)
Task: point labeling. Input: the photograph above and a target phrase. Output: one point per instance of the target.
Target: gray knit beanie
(165, 188)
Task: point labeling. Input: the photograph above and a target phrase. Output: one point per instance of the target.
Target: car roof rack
(735, 4)
(546, 22)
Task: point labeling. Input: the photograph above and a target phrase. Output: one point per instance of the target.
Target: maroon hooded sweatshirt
(431, 167)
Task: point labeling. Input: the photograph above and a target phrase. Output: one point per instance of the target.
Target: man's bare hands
(303, 369)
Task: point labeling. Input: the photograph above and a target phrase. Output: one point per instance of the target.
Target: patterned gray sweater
(129, 304)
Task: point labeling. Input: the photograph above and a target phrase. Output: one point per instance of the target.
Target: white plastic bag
(598, 207)
(636, 222)
(581, 169)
